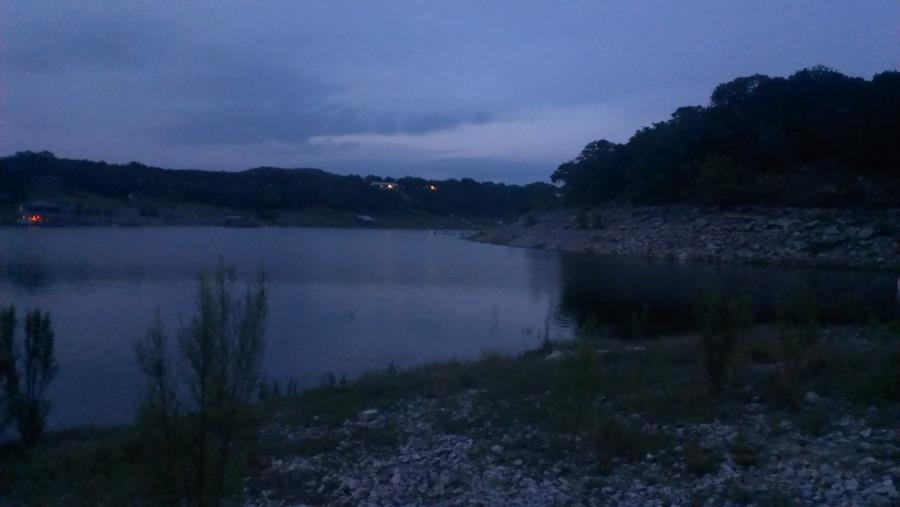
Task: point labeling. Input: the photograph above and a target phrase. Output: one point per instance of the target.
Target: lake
(346, 301)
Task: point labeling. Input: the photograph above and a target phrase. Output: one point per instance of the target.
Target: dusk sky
(491, 90)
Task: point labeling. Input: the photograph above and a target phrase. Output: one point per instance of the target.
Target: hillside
(28, 175)
(817, 138)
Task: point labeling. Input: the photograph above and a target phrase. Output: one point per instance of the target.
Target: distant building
(41, 213)
(385, 185)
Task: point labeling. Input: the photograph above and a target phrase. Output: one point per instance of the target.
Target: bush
(576, 384)
(797, 331)
(24, 393)
(9, 379)
(722, 322)
(616, 439)
(194, 415)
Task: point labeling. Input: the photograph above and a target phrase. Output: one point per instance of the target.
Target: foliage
(722, 322)
(9, 377)
(614, 438)
(815, 138)
(576, 384)
(196, 409)
(797, 330)
(24, 392)
(30, 406)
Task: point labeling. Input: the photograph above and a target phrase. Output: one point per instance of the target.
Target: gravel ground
(413, 456)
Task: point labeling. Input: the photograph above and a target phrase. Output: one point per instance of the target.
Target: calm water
(348, 301)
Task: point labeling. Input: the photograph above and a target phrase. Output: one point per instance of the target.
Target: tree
(24, 392)
(196, 415)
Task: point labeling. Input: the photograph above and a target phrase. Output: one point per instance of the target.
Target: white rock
(553, 356)
(368, 415)
(812, 398)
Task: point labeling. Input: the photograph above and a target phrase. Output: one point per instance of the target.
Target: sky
(492, 90)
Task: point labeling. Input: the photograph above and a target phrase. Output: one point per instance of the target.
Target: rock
(553, 356)
(866, 433)
(851, 484)
(368, 415)
(496, 449)
(812, 398)
(865, 233)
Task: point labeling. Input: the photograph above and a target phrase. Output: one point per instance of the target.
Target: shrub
(722, 322)
(576, 384)
(640, 323)
(700, 460)
(30, 406)
(614, 438)
(797, 330)
(9, 379)
(24, 393)
(195, 418)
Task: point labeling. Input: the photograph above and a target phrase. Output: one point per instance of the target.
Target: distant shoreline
(211, 217)
(835, 238)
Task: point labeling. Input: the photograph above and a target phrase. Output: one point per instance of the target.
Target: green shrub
(195, 413)
(24, 393)
(722, 322)
(9, 378)
(576, 384)
(699, 460)
(615, 438)
(798, 331)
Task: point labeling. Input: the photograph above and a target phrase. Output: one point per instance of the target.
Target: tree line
(26, 175)
(815, 138)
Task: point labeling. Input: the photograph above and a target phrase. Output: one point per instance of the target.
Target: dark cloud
(501, 88)
(55, 45)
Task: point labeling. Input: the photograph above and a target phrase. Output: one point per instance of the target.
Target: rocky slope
(773, 463)
(783, 236)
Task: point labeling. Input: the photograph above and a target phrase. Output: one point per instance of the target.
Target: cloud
(52, 45)
(544, 135)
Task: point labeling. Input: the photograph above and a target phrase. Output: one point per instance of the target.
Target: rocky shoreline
(867, 239)
(852, 464)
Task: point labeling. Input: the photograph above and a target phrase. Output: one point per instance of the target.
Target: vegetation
(264, 190)
(816, 138)
(722, 323)
(24, 390)
(798, 331)
(195, 433)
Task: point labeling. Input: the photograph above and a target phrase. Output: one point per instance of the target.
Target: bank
(525, 430)
(841, 238)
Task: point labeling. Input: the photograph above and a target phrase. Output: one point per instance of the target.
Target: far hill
(262, 191)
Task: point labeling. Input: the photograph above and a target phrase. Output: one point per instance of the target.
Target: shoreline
(497, 431)
(790, 237)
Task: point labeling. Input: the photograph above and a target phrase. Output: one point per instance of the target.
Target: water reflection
(350, 301)
(608, 291)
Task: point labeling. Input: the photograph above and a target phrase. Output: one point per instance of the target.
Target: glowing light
(35, 218)
(432, 188)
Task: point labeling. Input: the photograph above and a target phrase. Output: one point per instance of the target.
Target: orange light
(35, 218)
